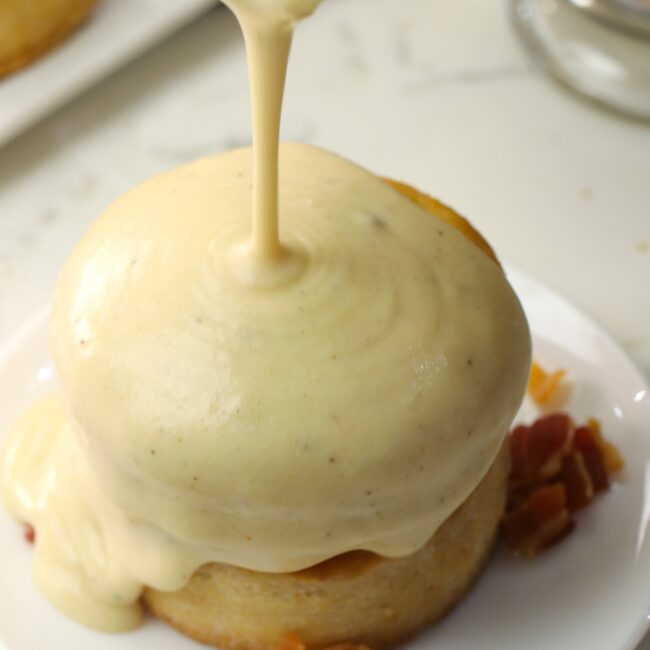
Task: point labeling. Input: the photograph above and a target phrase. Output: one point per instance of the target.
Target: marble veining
(433, 80)
(353, 54)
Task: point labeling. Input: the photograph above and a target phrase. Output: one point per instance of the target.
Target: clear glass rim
(538, 51)
(616, 14)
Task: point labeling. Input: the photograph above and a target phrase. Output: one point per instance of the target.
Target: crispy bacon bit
(30, 533)
(539, 521)
(557, 469)
(537, 450)
(546, 388)
(592, 456)
(612, 458)
(575, 478)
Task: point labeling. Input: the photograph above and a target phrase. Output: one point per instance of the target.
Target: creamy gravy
(268, 30)
(227, 398)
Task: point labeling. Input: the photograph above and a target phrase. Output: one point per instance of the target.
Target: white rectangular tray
(118, 31)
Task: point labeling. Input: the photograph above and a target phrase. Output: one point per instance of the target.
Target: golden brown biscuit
(357, 597)
(28, 29)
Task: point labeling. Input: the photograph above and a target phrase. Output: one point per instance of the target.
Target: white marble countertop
(436, 93)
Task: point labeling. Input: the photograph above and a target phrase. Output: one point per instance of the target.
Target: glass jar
(600, 48)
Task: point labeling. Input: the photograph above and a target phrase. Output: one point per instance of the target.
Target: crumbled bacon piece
(538, 521)
(592, 455)
(612, 458)
(557, 469)
(537, 450)
(575, 478)
(547, 388)
(30, 533)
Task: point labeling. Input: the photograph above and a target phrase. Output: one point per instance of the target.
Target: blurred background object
(30, 29)
(601, 48)
(51, 65)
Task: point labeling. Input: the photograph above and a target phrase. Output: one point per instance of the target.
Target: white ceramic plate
(118, 31)
(592, 592)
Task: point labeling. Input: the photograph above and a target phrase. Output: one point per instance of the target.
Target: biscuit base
(357, 598)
